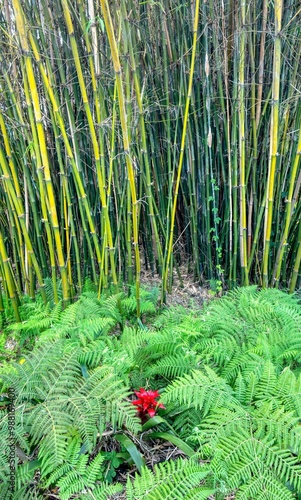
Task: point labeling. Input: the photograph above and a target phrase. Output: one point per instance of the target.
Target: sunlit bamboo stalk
(242, 148)
(42, 145)
(182, 150)
(125, 136)
(273, 140)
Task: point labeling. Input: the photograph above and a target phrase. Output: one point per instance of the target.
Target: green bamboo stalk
(296, 267)
(234, 162)
(94, 140)
(288, 214)
(171, 233)
(8, 278)
(242, 148)
(273, 139)
(125, 135)
(42, 144)
(154, 230)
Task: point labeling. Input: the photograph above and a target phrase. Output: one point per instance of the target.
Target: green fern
(171, 480)
(230, 380)
(103, 492)
(55, 403)
(243, 442)
(75, 474)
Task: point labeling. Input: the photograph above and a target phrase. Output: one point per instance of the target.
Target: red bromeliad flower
(146, 404)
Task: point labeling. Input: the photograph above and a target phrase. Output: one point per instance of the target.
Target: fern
(76, 474)
(170, 480)
(201, 390)
(54, 403)
(102, 492)
(230, 378)
(242, 442)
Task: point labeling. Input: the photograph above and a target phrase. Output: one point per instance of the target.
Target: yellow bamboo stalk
(38, 161)
(155, 235)
(297, 262)
(273, 139)
(60, 122)
(8, 278)
(288, 212)
(42, 144)
(125, 136)
(21, 217)
(94, 140)
(242, 148)
(12, 167)
(185, 121)
(107, 246)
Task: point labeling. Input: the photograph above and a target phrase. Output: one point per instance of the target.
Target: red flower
(146, 404)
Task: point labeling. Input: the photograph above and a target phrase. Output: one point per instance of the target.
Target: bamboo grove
(149, 134)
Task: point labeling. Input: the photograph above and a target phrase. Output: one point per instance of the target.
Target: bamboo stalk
(8, 278)
(42, 145)
(176, 192)
(296, 267)
(94, 140)
(288, 214)
(242, 148)
(125, 137)
(273, 139)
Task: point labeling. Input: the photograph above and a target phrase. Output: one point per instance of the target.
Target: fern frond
(173, 479)
(172, 316)
(102, 492)
(263, 489)
(185, 422)
(172, 366)
(75, 474)
(202, 390)
(246, 457)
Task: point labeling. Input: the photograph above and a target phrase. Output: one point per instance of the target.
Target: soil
(186, 293)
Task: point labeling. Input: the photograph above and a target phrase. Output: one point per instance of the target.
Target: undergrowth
(228, 376)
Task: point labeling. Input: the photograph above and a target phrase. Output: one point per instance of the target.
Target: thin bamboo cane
(242, 148)
(296, 267)
(273, 139)
(125, 135)
(155, 234)
(234, 155)
(8, 278)
(42, 144)
(288, 213)
(191, 73)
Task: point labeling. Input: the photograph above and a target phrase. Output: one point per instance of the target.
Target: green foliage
(85, 320)
(59, 410)
(174, 479)
(246, 393)
(229, 377)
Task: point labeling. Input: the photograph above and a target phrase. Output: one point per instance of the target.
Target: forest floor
(186, 293)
